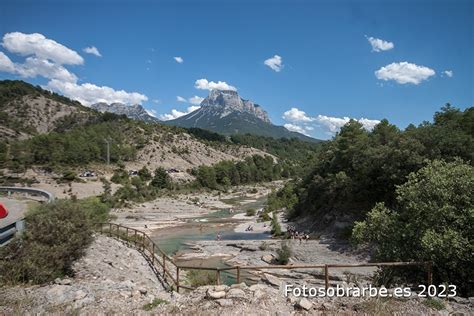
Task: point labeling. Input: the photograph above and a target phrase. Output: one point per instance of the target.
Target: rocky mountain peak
(228, 101)
(135, 111)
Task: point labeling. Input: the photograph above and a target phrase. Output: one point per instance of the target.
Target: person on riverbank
(218, 237)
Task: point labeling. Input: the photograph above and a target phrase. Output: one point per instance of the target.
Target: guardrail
(171, 271)
(49, 196)
(9, 228)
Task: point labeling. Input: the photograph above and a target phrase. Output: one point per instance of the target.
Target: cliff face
(136, 111)
(228, 101)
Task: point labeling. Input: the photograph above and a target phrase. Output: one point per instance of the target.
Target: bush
(69, 176)
(250, 212)
(431, 221)
(157, 301)
(284, 253)
(276, 228)
(56, 235)
(201, 277)
(161, 180)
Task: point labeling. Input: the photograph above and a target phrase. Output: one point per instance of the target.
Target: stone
(216, 295)
(258, 294)
(143, 291)
(327, 306)
(242, 286)
(236, 293)
(225, 302)
(267, 259)
(272, 280)
(80, 294)
(305, 304)
(219, 288)
(65, 281)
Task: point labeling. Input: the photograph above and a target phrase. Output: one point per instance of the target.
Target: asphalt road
(16, 210)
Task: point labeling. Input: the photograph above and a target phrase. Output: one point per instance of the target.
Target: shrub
(284, 253)
(263, 246)
(161, 180)
(56, 235)
(276, 228)
(157, 301)
(250, 212)
(69, 176)
(201, 277)
(434, 303)
(431, 221)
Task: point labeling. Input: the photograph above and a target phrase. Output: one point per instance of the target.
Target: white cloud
(92, 50)
(204, 84)
(379, 45)
(6, 65)
(180, 99)
(41, 47)
(156, 101)
(449, 73)
(334, 124)
(34, 67)
(274, 63)
(46, 59)
(296, 115)
(88, 93)
(404, 72)
(196, 100)
(295, 128)
(178, 59)
(175, 113)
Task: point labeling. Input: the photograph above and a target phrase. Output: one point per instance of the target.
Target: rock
(267, 259)
(66, 281)
(236, 293)
(219, 288)
(471, 300)
(241, 286)
(216, 295)
(459, 300)
(143, 291)
(258, 294)
(272, 280)
(305, 304)
(224, 302)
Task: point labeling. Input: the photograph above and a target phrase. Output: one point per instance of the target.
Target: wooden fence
(171, 271)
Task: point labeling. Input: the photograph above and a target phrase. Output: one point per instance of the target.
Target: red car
(3, 211)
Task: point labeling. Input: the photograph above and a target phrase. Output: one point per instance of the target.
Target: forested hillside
(410, 192)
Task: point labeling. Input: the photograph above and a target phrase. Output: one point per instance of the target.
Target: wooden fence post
(153, 254)
(126, 232)
(135, 238)
(110, 229)
(326, 276)
(238, 274)
(177, 279)
(164, 266)
(218, 277)
(429, 268)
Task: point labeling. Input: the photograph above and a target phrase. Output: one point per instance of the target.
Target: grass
(157, 301)
(434, 303)
(201, 277)
(250, 212)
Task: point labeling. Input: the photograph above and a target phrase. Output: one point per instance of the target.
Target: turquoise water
(175, 239)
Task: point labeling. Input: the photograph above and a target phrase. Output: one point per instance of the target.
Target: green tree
(431, 220)
(161, 179)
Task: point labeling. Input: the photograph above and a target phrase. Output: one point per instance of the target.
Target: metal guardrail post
(326, 276)
(177, 279)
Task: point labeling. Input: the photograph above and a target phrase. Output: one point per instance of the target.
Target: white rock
(224, 302)
(236, 293)
(216, 295)
(305, 304)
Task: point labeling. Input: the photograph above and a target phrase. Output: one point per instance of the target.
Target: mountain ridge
(225, 112)
(136, 111)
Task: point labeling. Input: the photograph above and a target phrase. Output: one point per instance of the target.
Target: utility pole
(107, 141)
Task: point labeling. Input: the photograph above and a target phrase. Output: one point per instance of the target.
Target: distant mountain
(136, 112)
(225, 112)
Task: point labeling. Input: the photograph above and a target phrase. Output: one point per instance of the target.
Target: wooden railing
(171, 271)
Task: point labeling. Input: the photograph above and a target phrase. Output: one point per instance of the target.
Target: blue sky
(329, 69)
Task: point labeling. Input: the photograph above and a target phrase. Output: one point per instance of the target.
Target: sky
(312, 65)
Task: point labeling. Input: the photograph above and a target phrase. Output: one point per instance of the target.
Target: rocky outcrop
(136, 111)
